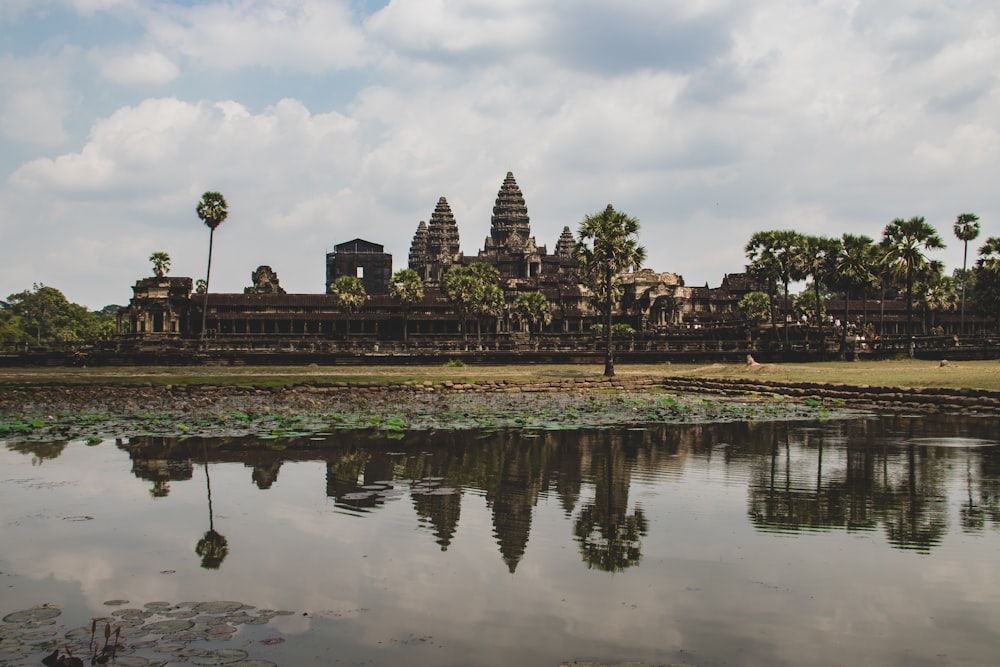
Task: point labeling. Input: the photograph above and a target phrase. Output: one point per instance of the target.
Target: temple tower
(510, 217)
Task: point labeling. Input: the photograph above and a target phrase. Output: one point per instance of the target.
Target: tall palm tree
(608, 245)
(854, 272)
(407, 288)
(776, 256)
(161, 263)
(349, 292)
(213, 211)
(905, 242)
(819, 256)
(966, 229)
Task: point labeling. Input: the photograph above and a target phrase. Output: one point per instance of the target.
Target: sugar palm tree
(407, 288)
(608, 245)
(532, 308)
(213, 211)
(905, 242)
(855, 269)
(349, 293)
(776, 257)
(161, 263)
(966, 229)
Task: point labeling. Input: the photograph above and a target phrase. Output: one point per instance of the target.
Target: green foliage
(161, 263)
(607, 246)
(532, 308)
(349, 293)
(212, 209)
(406, 287)
(43, 316)
(755, 307)
(455, 363)
(474, 292)
(806, 305)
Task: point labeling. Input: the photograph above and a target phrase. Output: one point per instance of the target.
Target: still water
(865, 541)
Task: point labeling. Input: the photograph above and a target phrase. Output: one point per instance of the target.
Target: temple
(659, 310)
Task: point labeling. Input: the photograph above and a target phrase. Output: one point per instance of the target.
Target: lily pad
(34, 614)
(167, 627)
(220, 607)
(222, 656)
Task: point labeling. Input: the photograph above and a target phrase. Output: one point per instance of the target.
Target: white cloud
(35, 98)
(147, 68)
(296, 35)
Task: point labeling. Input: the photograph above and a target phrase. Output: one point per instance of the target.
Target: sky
(325, 121)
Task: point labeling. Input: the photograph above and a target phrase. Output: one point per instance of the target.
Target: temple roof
(442, 232)
(510, 214)
(564, 246)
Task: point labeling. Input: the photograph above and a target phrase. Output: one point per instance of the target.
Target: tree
(161, 263)
(407, 288)
(43, 314)
(819, 256)
(755, 307)
(349, 293)
(905, 242)
(474, 292)
(608, 245)
(775, 257)
(966, 229)
(855, 272)
(986, 280)
(532, 308)
(213, 211)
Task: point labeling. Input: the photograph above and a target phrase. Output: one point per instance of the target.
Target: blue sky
(325, 121)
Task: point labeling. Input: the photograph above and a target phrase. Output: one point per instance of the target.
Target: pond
(865, 540)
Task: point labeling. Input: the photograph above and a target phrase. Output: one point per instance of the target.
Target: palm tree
(213, 211)
(407, 288)
(986, 280)
(608, 245)
(473, 291)
(349, 293)
(966, 229)
(161, 263)
(775, 256)
(532, 308)
(819, 256)
(905, 242)
(854, 271)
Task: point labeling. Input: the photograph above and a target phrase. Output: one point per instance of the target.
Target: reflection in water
(864, 541)
(39, 451)
(212, 547)
(856, 475)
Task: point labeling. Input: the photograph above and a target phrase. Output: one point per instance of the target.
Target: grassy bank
(908, 373)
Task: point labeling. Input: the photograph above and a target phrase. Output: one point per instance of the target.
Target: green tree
(349, 293)
(755, 307)
(819, 256)
(532, 308)
(213, 211)
(608, 245)
(46, 316)
(855, 274)
(406, 288)
(966, 229)
(986, 281)
(775, 257)
(474, 292)
(161, 263)
(905, 242)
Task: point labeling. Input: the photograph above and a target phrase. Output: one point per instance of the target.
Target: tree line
(43, 317)
(857, 267)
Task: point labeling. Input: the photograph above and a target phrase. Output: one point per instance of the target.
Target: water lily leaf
(222, 656)
(33, 614)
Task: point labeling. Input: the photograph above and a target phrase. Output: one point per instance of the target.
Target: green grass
(908, 373)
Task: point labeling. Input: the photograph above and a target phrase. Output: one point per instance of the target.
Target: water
(863, 541)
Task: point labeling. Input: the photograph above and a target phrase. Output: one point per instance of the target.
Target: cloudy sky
(322, 121)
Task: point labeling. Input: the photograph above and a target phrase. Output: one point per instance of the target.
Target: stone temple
(164, 311)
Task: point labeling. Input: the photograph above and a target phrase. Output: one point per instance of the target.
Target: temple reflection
(889, 474)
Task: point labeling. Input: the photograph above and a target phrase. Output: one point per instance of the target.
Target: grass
(906, 373)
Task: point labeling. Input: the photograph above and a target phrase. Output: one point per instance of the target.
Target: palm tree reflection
(212, 547)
